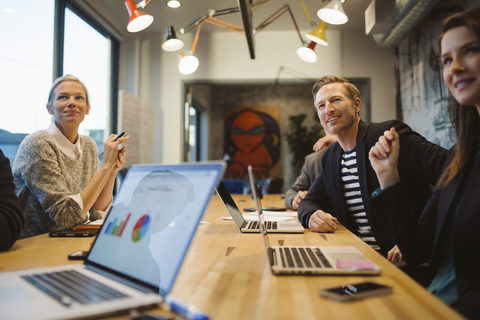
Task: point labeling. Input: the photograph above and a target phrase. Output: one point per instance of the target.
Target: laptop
(136, 256)
(253, 226)
(302, 260)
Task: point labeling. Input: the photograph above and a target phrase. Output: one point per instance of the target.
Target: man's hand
(394, 254)
(384, 158)
(298, 198)
(324, 142)
(322, 222)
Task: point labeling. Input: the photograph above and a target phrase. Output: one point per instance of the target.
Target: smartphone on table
(78, 255)
(273, 209)
(73, 233)
(356, 291)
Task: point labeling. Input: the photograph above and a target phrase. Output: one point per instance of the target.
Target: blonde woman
(58, 180)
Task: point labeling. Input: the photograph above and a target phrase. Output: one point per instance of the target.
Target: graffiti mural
(252, 138)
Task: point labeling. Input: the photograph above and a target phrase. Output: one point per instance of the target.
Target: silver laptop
(253, 226)
(136, 256)
(328, 260)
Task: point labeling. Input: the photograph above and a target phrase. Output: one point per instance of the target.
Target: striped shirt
(353, 198)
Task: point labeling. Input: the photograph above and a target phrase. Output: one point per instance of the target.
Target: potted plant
(301, 139)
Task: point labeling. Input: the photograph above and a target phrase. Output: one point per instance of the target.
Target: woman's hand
(112, 156)
(384, 158)
(120, 159)
(298, 198)
(324, 142)
(395, 254)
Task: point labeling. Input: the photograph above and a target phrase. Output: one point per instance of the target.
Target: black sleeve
(11, 217)
(415, 239)
(316, 199)
(419, 157)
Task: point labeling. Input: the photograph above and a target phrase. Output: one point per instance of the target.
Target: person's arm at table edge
(302, 183)
(11, 216)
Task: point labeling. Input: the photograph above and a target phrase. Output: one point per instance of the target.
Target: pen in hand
(120, 135)
(186, 310)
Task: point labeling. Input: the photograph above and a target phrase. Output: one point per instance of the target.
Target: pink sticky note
(358, 264)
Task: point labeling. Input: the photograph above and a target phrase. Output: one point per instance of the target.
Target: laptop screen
(153, 219)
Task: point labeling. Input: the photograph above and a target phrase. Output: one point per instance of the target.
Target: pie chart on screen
(141, 228)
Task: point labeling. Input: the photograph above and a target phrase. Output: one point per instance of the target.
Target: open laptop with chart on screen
(136, 256)
(310, 259)
(250, 225)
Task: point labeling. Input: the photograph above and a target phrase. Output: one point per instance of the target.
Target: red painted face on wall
(247, 131)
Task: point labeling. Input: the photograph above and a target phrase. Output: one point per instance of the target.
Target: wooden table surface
(225, 274)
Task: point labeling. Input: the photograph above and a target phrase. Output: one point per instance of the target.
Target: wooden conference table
(225, 274)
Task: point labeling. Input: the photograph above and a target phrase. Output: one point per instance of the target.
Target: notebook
(136, 256)
(253, 226)
(301, 260)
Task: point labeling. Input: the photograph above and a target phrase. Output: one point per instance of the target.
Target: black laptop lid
(230, 204)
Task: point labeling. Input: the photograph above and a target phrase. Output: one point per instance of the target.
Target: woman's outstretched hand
(384, 158)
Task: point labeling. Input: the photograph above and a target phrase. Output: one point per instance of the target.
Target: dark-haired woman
(448, 232)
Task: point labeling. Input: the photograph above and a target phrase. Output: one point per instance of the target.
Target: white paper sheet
(252, 217)
(98, 222)
(273, 213)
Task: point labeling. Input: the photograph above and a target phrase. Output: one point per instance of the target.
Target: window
(26, 64)
(30, 59)
(92, 67)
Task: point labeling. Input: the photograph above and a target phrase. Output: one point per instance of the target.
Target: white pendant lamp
(307, 53)
(333, 13)
(188, 64)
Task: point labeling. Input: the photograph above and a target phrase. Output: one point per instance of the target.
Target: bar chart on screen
(117, 229)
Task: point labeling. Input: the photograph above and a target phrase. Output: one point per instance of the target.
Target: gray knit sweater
(45, 178)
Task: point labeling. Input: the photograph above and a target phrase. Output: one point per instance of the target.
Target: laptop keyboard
(298, 257)
(254, 225)
(71, 286)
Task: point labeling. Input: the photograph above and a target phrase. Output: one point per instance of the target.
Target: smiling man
(341, 192)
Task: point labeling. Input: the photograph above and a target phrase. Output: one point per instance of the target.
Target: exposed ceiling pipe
(406, 14)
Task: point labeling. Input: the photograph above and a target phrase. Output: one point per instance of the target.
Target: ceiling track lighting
(307, 52)
(225, 25)
(138, 20)
(333, 13)
(189, 63)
